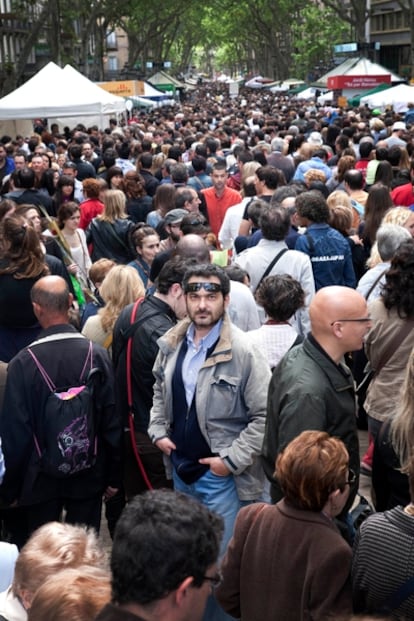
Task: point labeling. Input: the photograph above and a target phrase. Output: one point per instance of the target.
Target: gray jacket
(230, 401)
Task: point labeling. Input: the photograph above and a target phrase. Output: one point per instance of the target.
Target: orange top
(217, 206)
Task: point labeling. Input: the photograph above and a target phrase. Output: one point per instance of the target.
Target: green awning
(298, 89)
(356, 99)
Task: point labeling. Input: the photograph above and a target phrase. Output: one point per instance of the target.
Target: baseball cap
(398, 125)
(175, 216)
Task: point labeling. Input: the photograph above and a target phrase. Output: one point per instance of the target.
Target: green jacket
(309, 391)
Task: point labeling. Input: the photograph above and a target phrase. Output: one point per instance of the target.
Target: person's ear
(70, 299)
(226, 300)
(176, 290)
(37, 309)
(26, 598)
(337, 329)
(181, 591)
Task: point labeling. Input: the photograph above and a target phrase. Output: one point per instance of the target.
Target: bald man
(312, 388)
(67, 358)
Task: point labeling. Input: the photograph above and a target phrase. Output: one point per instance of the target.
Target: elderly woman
(289, 560)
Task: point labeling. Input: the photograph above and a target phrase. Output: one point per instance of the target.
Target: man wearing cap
(277, 158)
(208, 413)
(395, 139)
(317, 161)
(172, 223)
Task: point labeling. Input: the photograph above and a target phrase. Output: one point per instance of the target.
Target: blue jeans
(218, 494)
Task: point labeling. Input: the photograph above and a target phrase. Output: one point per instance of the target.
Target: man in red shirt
(219, 197)
(403, 195)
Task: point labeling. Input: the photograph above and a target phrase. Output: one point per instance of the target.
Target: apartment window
(112, 63)
(111, 40)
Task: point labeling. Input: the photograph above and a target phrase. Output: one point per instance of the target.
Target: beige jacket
(384, 391)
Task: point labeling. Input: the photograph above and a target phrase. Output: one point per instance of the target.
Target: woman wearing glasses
(289, 560)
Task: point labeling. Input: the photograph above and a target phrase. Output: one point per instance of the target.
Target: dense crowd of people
(188, 300)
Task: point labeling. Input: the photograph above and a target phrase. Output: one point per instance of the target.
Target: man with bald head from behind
(60, 358)
(311, 387)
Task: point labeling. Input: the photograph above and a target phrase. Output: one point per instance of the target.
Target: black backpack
(68, 435)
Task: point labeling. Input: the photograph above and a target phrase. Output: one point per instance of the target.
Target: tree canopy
(276, 38)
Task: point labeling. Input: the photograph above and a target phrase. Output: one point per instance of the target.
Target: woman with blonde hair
(290, 557)
(109, 232)
(396, 215)
(51, 548)
(120, 287)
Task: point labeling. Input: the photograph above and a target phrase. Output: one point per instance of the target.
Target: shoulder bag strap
(271, 265)
(110, 227)
(374, 284)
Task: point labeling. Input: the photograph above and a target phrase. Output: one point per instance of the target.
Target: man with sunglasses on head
(311, 387)
(209, 406)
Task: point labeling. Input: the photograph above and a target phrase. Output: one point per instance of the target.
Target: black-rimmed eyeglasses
(351, 477)
(357, 320)
(214, 580)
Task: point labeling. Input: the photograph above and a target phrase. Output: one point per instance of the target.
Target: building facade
(390, 25)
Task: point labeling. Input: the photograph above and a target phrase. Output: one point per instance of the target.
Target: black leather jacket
(110, 240)
(154, 318)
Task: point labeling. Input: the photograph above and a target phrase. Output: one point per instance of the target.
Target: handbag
(80, 297)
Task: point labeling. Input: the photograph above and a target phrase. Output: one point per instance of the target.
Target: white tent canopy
(153, 93)
(358, 67)
(308, 93)
(55, 92)
(329, 96)
(398, 96)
